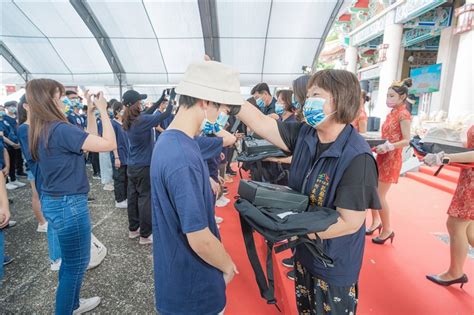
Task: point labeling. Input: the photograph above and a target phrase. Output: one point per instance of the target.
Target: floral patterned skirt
(314, 296)
(462, 205)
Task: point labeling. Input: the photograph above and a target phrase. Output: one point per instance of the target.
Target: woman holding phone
(58, 147)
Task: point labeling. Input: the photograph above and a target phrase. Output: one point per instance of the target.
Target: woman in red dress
(396, 130)
(460, 214)
(360, 123)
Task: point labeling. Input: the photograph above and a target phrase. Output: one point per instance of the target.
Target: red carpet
(392, 279)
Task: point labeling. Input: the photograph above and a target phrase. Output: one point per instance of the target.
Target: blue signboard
(426, 79)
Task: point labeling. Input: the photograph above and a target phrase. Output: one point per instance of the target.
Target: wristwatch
(445, 160)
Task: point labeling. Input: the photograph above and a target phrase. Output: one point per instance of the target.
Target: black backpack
(277, 225)
(254, 151)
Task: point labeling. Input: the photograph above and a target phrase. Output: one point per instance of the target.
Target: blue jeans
(69, 217)
(54, 251)
(2, 255)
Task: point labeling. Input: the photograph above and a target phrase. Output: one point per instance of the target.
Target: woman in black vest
(333, 165)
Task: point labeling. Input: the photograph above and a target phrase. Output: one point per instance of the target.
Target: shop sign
(438, 18)
(368, 73)
(430, 44)
(413, 8)
(426, 79)
(10, 89)
(417, 35)
(382, 49)
(465, 15)
(369, 32)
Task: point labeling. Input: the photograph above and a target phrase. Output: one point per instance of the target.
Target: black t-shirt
(357, 189)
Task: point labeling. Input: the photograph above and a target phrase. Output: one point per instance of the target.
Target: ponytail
(130, 115)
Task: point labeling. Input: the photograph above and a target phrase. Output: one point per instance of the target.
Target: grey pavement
(124, 280)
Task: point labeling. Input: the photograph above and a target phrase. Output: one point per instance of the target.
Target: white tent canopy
(130, 42)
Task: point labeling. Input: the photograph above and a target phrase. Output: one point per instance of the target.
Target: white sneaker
(86, 305)
(134, 234)
(17, 183)
(42, 228)
(10, 186)
(224, 199)
(220, 203)
(109, 187)
(146, 240)
(98, 252)
(55, 265)
(121, 204)
(219, 220)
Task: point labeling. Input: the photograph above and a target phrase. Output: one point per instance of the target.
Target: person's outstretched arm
(107, 142)
(265, 126)
(155, 105)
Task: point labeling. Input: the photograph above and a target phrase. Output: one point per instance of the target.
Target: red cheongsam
(390, 163)
(462, 205)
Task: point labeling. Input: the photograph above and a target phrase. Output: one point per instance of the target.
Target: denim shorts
(30, 175)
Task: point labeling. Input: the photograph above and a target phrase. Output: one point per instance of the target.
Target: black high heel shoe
(434, 278)
(370, 232)
(378, 240)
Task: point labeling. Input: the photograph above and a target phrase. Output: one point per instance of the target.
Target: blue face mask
(260, 103)
(279, 109)
(208, 127)
(2, 113)
(222, 119)
(77, 104)
(313, 111)
(294, 102)
(12, 110)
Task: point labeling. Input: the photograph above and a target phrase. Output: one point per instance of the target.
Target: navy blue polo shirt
(99, 126)
(25, 149)
(123, 146)
(182, 202)
(270, 109)
(211, 148)
(339, 174)
(9, 128)
(165, 124)
(76, 119)
(62, 162)
(140, 135)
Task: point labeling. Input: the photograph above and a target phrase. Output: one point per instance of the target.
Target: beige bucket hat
(211, 81)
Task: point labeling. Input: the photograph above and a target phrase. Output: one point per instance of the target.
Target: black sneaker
(291, 275)
(232, 173)
(288, 262)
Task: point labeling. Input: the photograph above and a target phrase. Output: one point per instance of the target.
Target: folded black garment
(375, 142)
(258, 149)
(277, 224)
(271, 195)
(424, 148)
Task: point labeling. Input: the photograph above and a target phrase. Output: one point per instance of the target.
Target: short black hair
(10, 104)
(261, 87)
(70, 92)
(187, 101)
(117, 107)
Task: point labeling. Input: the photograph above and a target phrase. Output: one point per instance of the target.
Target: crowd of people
(168, 163)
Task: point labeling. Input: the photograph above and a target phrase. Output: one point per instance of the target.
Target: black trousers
(139, 200)
(94, 158)
(230, 154)
(16, 163)
(120, 183)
